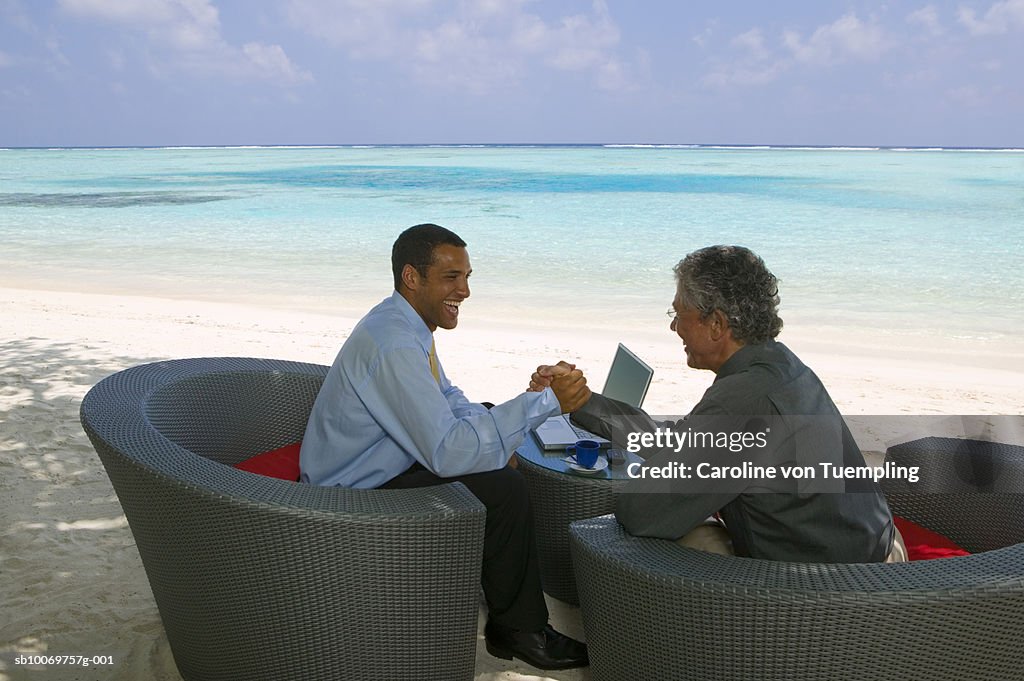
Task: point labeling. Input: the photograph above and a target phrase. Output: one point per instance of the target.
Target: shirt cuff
(549, 401)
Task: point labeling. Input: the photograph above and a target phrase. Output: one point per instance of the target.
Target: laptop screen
(628, 379)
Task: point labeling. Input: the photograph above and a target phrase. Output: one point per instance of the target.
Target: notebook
(628, 381)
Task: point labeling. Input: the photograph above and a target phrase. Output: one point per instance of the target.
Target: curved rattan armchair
(258, 578)
(656, 610)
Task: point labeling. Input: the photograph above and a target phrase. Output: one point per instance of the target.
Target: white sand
(72, 582)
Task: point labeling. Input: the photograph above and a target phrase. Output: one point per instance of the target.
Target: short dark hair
(734, 280)
(415, 246)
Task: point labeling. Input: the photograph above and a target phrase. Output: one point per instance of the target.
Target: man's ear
(718, 325)
(410, 277)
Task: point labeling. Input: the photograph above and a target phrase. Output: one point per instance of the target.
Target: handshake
(568, 383)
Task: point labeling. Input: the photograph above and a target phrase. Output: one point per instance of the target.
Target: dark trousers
(510, 576)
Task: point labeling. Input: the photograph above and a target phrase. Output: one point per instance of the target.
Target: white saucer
(601, 464)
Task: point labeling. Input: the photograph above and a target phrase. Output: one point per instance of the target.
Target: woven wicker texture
(655, 610)
(258, 578)
(983, 481)
(557, 500)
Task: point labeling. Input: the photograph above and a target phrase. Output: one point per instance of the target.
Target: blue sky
(210, 72)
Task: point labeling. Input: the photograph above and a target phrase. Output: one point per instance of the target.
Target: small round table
(559, 496)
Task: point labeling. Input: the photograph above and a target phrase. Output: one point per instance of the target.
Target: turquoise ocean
(917, 241)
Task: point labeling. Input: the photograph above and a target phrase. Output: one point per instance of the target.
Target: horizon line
(450, 145)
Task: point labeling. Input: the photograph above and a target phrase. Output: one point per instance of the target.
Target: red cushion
(280, 463)
(923, 544)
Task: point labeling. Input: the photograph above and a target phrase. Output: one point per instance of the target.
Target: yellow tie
(433, 363)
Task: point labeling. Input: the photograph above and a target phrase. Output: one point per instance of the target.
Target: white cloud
(582, 41)
(753, 60)
(53, 47)
(750, 63)
(5, 59)
(1002, 17)
(927, 18)
(615, 76)
(272, 61)
(13, 97)
(367, 29)
(189, 34)
(753, 42)
(739, 74)
(969, 95)
(925, 77)
(703, 39)
(476, 44)
(125, 11)
(181, 24)
(452, 56)
(847, 38)
(14, 14)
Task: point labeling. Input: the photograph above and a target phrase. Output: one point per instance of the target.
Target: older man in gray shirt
(725, 312)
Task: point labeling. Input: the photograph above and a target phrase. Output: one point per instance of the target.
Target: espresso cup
(585, 452)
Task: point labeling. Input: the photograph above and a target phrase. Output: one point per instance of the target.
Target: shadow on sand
(72, 582)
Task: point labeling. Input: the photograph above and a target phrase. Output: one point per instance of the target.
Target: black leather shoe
(544, 649)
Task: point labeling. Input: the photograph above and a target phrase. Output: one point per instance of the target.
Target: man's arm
(404, 399)
(613, 420)
(651, 507)
(459, 403)
(647, 507)
(593, 411)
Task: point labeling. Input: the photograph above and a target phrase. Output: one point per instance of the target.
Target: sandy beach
(73, 583)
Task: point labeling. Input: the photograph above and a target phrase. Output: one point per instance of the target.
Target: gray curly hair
(734, 280)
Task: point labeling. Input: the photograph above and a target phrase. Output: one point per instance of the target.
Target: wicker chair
(258, 578)
(558, 499)
(655, 610)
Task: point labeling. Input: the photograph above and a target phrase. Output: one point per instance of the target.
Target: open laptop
(628, 381)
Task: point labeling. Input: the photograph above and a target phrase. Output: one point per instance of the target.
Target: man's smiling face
(695, 333)
(436, 297)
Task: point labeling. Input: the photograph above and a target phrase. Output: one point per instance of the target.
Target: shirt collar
(419, 327)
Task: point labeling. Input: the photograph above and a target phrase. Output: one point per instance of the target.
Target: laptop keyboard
(581, 433)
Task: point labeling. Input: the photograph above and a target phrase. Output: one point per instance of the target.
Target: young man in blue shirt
(388, 416)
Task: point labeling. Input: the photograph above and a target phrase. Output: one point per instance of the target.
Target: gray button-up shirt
(768, 380)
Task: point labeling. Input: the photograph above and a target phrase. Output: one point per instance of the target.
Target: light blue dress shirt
(380, 409)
